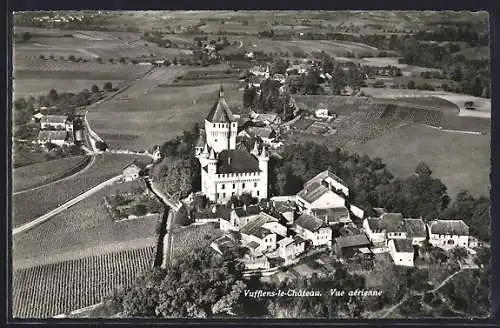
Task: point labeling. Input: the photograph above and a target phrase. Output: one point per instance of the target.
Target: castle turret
(221, 126)
(255, 150)
(263, 165)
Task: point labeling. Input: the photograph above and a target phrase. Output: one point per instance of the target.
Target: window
(215, 125)
(243, 185)
(224, 195)
(232, 194)
(234, 186)
(223, 186)
(218, 195)
(258, 193)
(255, 184)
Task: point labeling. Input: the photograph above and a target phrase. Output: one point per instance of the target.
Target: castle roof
(237, 161)
(220, 112)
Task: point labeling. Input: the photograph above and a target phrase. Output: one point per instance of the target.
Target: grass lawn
(31, 176)
(144, 116)
(86, 225)
(57, 288)
(42, 86)
(459, 160)
(30, 205)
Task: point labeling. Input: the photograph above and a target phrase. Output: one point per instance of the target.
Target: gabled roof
(284, 206)
(352, 241)
(236, 161)
(255, 226)
(403, 245)
(322, 176)
(310, 222)
(414, 228)
(136, 163)
(220, 112)
(390, 222)
(449, 227)
(332, 215)
(54, 119)
(46, 135)
(313, 192)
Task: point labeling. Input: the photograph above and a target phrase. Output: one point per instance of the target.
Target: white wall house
(313, 229)
(56, 122)
(448, 234)
(401, 251)
(291, 247)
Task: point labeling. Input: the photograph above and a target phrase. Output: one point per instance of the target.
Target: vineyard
(35, 175)
(30, 205)
(185, 239)
(49, 290)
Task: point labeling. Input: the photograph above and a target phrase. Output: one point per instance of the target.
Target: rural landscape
(250, 164)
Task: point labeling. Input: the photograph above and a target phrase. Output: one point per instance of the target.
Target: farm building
(448, 234)
(333, 216)
(285, 208)
(133, 170)
(347, 91)
(227, 171)
(37, 117)
(55, 122)
(263, 230)
(402, 252)
(213, 214)
(321, 113)
(59, 138)
(348, 246)
(260, 71)
(240, 216)
(313, 229)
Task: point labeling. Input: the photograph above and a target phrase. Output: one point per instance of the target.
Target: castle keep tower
(225, 170)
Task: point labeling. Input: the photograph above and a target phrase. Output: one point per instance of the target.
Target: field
(475, 53)
(85, 228)
(185, 239)
(49, 290)
(35, 175)
(158, 106)
(30, 205)
(459, 160)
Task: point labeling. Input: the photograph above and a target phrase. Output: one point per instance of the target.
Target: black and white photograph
(250, 164)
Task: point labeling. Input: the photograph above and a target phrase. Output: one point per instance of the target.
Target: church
(228, 170)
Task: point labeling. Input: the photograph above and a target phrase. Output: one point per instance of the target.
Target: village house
(56, 137)
(313, 229)
(265, 231)
(401, 251)
(224, 243)
(322, 113)
(347, 91)
(214, 213)
(56, 122)
(348, 246)
(447, 234)
(387, 226)
(133, 170)
(260, 71)
(285, 208)
(241, 216)
(263, 134)
(227, 171)
(416, 231)
(325, 190)
(37, 117)
(290, 248)
(281, 78)
(333, 216)
(265, 118)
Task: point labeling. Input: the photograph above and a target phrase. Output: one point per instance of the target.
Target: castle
(228, 170)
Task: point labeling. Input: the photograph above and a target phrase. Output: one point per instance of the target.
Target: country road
(64, 206)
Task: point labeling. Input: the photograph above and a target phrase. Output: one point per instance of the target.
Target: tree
(140, 210)
(72, 58)
(26, 36)
(459, 253)
(411, 84)
(102, 146)
(122, 60)
(174, 175)
(53, 96)
(108, 86)
(423, 170)
(94, 88)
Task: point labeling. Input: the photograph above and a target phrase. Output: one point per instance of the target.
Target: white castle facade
(225, 170)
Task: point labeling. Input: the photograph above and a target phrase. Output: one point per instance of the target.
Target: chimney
(244, 207)
(229, 161)
(214, 209)
(221, 92)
